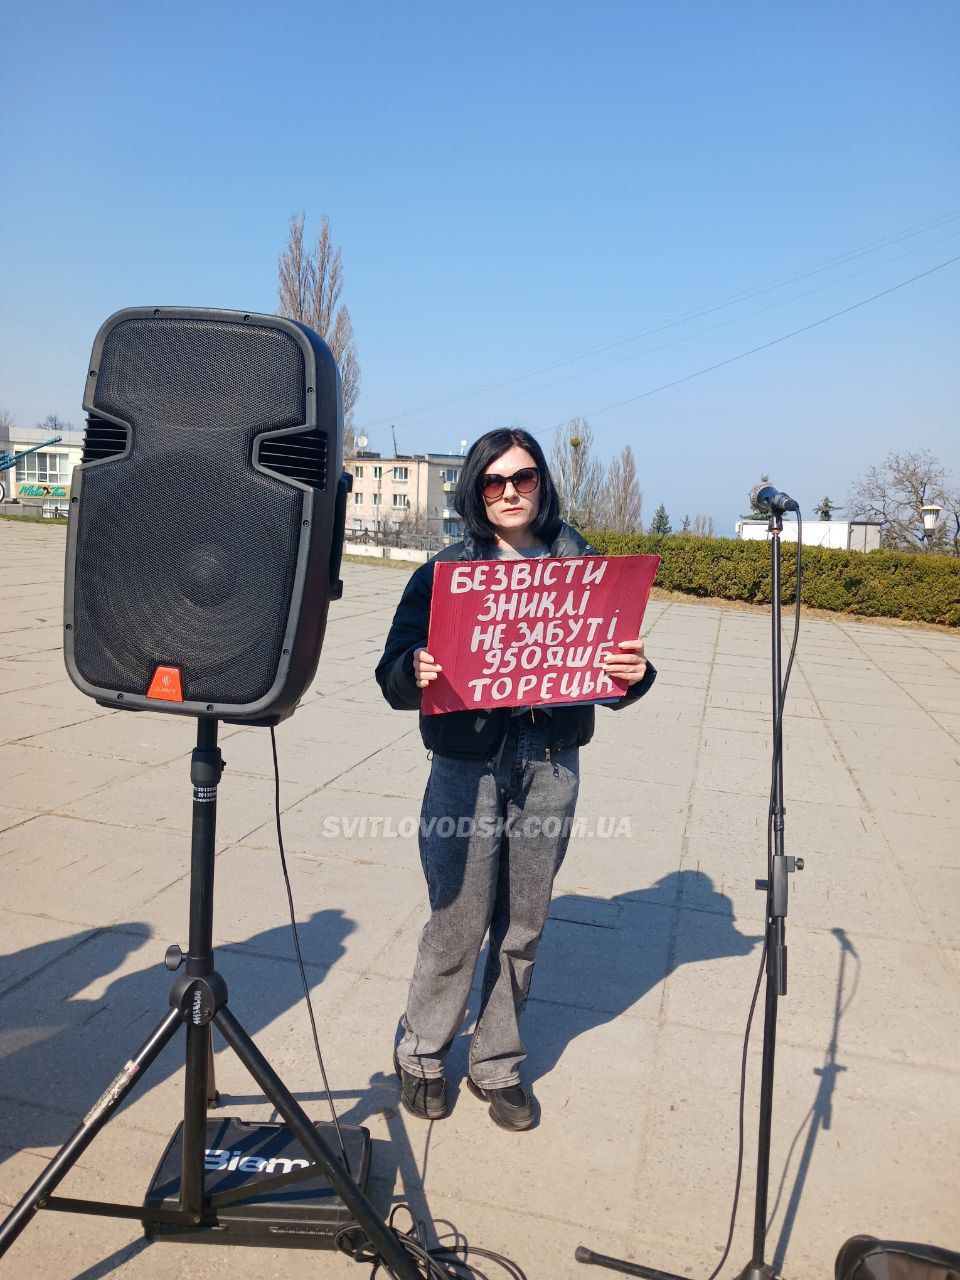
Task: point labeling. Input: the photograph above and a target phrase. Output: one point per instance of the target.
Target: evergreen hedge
(879, 584)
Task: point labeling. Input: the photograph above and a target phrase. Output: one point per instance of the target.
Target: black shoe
(426, 1099)
(510, 1108)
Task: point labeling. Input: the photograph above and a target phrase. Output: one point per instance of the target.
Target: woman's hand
(630, 665)
(425, 668)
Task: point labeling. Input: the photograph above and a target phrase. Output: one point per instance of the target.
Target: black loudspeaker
(207, 515)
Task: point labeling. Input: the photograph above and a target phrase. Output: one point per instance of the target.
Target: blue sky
(513, 185)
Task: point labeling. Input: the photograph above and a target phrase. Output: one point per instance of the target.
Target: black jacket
(475, 735)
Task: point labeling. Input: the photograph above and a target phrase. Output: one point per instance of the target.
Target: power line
(38, 374)
(695, 313)
(764, 346)
(699, 333)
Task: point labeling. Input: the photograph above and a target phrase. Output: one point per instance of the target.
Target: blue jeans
(492, 837)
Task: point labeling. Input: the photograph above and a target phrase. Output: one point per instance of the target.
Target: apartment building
(414, 491)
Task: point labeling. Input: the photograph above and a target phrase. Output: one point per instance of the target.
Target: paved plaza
(645, 975)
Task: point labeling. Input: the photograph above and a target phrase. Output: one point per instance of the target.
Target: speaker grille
(189, 553)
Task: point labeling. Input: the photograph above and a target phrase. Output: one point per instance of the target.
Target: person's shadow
(600, 956)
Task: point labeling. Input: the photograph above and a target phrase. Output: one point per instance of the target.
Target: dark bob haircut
(469, 500)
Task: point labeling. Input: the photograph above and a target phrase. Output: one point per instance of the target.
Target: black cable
(450, 1263)
(777, 754)
(296, 943)
(446, 1262)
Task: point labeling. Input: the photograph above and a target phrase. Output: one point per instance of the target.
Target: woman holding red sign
(499, 803)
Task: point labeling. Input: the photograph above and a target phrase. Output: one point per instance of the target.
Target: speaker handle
(344, 487)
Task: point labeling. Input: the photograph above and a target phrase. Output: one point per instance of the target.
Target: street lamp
(930, 514)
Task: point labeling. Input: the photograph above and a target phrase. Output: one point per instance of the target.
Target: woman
(513, 774)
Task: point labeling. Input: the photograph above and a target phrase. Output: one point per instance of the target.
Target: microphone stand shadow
(820, 1114)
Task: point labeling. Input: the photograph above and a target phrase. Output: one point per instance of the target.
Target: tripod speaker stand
(204, 1207)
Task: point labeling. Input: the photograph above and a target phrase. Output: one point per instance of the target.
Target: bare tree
(413, 522)
(6, 421)
(623, 498)
(53, 422)
(703, 527)
(577, 474)
(309, 289)
(894, 494)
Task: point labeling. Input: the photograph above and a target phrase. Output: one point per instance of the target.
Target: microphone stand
(779, 866)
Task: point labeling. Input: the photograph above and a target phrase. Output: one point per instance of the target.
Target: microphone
(766, 498)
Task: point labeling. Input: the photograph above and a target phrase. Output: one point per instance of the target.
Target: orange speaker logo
(166, 685)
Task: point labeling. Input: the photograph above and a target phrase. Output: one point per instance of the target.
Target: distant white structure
(844, 535)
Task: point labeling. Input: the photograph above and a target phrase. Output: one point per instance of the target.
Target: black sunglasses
(524, 481)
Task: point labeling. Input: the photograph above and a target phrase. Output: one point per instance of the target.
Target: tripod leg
(381, 1238)
(90, 1126)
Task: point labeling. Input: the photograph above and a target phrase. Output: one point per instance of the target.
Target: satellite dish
(362, 442)
(463, 445)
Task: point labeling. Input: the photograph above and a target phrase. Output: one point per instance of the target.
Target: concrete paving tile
(544, 1250)
(252, 912)
(865, 895)
(949, 722)
(36, 639)
(607, 970)
(902, 716)
(30, 943)
(138, 737)
(835, 1171)
(937, 893)
(908, 793)
(346, 824)
(105, 1009)
(592, 1159)
(44, 780)
(161, 798)
(638, 868)
(813, 827)
(797, 708)
(21, 720)
(302, 760)
(889, 755)
(831, 782)
(922, 840)
(14, 817)
(23, 676)
(86, 873)
(400, 769)
(55, 690)
(659, 766)
(907, 1027)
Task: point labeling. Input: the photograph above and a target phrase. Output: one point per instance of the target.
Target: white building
(844, 535)
(413, 490)
(39, 484)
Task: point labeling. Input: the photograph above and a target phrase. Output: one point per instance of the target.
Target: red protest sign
(517, 633)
